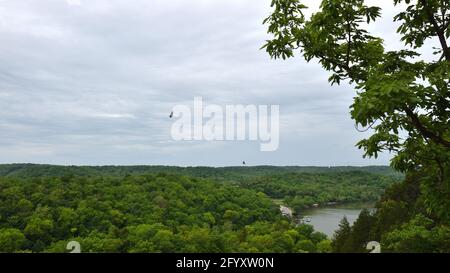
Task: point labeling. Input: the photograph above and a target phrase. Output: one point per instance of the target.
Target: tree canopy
(144, 213)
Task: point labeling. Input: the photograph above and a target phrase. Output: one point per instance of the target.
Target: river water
(326, 220)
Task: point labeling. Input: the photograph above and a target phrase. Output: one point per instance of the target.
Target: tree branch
(440, 32)
(423, 130)
(445, 26)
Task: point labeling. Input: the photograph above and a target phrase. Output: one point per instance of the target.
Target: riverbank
(327, 219)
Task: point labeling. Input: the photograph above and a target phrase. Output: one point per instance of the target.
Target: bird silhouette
(243, 163)
(171, 115)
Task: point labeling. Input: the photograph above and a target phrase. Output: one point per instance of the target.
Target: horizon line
(193, 166)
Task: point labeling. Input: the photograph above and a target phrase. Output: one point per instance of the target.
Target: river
(326, 220)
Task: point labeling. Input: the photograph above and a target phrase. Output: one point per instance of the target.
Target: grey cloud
(94, 84)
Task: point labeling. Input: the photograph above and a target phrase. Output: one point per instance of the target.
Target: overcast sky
(92, 82)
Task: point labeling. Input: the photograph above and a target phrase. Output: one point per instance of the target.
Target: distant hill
(220, 173)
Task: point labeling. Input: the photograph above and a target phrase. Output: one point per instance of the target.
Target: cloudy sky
(93, 81)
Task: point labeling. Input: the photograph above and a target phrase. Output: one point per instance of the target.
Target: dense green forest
(157, 209)
(148, 213)
(141, 209)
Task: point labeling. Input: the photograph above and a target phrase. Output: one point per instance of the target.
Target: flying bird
(171, 115)
(243, 163)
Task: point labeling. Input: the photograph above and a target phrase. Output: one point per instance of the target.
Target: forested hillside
(158, 209)
(150, 213)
